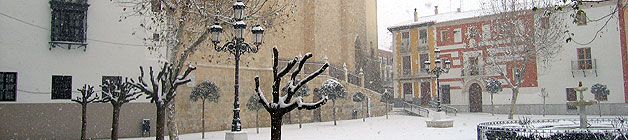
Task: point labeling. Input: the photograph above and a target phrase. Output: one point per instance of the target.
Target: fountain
(582, 104)
(567, 128)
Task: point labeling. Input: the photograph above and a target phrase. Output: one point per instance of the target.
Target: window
(457, 35)
(584, 59)
(444, 35)
(472, 32)
(422, 59)
(106, 79)
(486, 32)
(405, 42)
(406, 65)
(8, 86)
(423, 37)
(474, 67)
(61, 87)
(68, 21)
(581, 18)
(571, 96)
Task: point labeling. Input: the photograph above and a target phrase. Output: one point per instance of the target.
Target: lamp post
(237, 46)
(439, 69)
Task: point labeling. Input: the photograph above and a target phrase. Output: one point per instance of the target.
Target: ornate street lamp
(437, 71)
(237, 46)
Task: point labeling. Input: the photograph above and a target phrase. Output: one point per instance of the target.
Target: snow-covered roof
(433, 19)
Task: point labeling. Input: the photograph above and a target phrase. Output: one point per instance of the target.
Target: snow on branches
(281, 105)
(86, 95)
(358, 96)
(162, 88)
(333, 90)
(117, 92)
(284, 104)
(493, 86)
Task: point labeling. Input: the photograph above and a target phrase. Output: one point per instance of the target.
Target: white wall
(24, 49)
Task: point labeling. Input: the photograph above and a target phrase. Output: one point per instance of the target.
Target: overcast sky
(391, 12)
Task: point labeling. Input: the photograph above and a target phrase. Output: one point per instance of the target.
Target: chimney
(435, 10)
(459, 10)
(416, 16)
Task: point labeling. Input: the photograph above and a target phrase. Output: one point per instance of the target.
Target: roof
(433, 19)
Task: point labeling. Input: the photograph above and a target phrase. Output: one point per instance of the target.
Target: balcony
(585, 66)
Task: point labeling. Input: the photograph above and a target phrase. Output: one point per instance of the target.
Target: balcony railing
(584, 66)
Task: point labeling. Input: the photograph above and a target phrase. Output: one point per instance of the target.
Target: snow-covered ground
(397, 127)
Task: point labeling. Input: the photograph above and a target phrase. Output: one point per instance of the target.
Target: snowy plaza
(399, 126)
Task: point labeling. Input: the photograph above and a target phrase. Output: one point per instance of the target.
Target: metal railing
(448, 109)
(506, 130)
(415, 109)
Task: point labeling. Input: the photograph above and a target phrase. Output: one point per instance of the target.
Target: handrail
(446, 108)
(417, 109)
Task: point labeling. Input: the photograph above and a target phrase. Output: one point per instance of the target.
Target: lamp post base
(236, 136)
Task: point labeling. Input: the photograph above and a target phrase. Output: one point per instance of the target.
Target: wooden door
(426, 95)
(475, 98)
(407, 92)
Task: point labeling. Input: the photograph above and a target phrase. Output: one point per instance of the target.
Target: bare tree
(162, 90)
(86, 97)
(118, 93)
(178, 28)
(333, 90)
(254, 104)
(206, 91)
(359, 97)
(302, 92)
(281, 105)
(522, 34)
(387, 98)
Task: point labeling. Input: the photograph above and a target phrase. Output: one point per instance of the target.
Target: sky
(391, 12)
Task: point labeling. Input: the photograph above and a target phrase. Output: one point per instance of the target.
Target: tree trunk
(386, 108)
(83, 121)
(492, 106)
(203, 119)
(173, 132)
(275, 128)
(515, 93)
(257, 120)
(334, 108)
(114, 122)
(161, 120)
(299, 113)
(363, 112)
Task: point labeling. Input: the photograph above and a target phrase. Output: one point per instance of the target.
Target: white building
(49, 49)
(464, 86)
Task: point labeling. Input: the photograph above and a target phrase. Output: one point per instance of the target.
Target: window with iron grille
(584, 59)
(61, 87)
(69, 21)
(8, 86)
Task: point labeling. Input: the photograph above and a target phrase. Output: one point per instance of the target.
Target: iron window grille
(8, 86)
(61, 87)
(69, 23)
